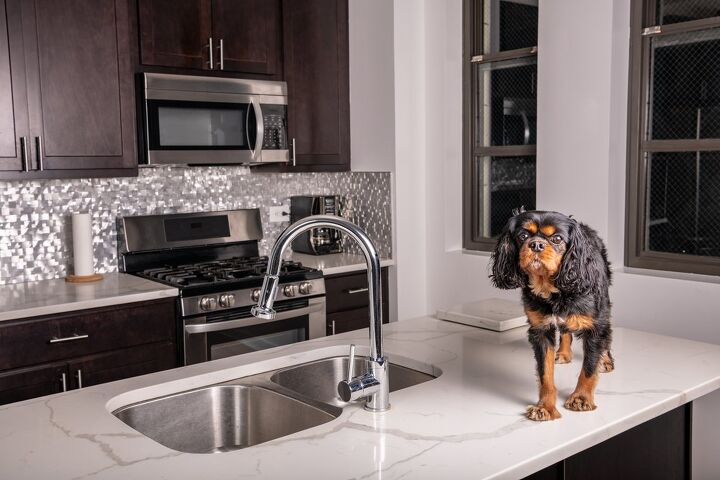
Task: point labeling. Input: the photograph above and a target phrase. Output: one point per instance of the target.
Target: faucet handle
(351, 363)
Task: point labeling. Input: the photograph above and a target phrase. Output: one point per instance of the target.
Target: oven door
(236, 332)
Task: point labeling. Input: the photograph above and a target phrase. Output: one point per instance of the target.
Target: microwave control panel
(275, 122)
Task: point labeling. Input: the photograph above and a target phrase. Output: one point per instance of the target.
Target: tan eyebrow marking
(531, 227)
(548, 230)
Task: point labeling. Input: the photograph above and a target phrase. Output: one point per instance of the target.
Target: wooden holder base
(83, 278)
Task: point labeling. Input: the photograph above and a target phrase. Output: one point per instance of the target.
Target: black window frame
(472, 44)
(642, 29)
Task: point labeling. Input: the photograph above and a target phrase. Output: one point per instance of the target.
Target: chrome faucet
(372, 385)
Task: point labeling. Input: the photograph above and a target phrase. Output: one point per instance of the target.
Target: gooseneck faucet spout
(372, 385)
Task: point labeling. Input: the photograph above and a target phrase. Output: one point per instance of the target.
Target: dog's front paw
(580, 403)
(540, 413)
(563, 357)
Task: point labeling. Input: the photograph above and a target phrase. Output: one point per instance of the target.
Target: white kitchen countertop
(336, 263)
(46, 297)
(467, 423)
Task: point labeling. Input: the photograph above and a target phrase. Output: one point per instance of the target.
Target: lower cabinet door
(119, 364)
(30, 382)
(356, 319)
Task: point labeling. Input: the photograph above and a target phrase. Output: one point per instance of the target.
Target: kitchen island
(467, 423)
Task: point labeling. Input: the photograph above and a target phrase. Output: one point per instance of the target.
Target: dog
(562, 268)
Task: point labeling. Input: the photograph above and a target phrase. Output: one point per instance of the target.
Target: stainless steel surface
(79, 378)
(243, 298)
(250, 321)
(259, 134)
(25, 155)
(71, 338)
(227, 300)
(195, 345)
(40, 159)
(333, 327)
(318, 380)
(210, 54)
(375, 382)
(147, 232)
(63, 381)
(351, 363)
(221, 47)
(353, 291)
(222, 418)
(35, 213)
(192, 83)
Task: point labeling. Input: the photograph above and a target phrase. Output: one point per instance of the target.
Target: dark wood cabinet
(12, 93)
(70, 64)
(348, 303)
(239, 35)
(49, 354)
(658, 449)
(316, 66)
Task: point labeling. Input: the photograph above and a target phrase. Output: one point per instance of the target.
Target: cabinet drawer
(58, 337)
(349, 291)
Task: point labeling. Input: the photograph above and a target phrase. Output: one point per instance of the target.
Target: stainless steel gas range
(212, 258)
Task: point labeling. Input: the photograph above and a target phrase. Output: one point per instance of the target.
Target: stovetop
(227, 274)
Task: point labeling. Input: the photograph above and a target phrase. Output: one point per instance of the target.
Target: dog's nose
(537, 246)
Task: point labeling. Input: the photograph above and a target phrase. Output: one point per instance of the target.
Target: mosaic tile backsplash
(35, 216)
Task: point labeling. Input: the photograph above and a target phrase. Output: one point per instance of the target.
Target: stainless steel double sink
(255, 409)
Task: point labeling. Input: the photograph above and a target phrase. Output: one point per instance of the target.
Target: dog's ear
(583, 267)
(506, 272)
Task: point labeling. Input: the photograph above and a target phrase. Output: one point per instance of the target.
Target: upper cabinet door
(315, 36)
(250, 32)
(80, 85)
(13, 102)
(175, 33)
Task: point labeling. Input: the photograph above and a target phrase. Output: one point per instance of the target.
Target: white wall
(582, 106)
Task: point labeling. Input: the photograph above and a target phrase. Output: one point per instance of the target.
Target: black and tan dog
(562, 267)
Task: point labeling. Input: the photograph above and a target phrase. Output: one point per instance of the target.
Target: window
(499, 115)
(674, 136)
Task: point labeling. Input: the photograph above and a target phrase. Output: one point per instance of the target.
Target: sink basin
(318, 380)
(221, 418)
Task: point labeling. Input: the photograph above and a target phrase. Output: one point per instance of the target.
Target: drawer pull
(63, 380)
(353, 291)
(79, 378)
(333, 327)
(68, 339)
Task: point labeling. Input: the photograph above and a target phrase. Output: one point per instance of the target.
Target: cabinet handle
(293, 148)
(79, 378)
(333, 327)
(210, 52)
(39, 145)
(63, 380)
(25, 157)
(75, 336)
(353, 291)
(221, 47)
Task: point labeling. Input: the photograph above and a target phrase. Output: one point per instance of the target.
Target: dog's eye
(523, 236)
(556, 239)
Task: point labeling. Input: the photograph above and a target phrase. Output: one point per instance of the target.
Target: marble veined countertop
(336, 263)
(467, 423)
(46, 297)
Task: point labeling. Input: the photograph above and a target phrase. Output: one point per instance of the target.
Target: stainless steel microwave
(211, 120)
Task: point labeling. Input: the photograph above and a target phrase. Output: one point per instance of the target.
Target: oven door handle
(251, 321)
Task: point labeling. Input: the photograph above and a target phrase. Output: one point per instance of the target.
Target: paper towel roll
(82, 244)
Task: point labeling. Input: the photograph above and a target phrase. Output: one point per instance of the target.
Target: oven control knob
(208, 303)
(289, 290)
(227, 300)
(255, 295)
(305, 288)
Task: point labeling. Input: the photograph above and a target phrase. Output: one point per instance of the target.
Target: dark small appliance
(317, 241)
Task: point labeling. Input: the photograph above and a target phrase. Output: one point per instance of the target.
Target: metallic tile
(35, 228)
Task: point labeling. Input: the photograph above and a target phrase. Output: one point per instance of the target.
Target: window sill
(480, 253)
(690, 277)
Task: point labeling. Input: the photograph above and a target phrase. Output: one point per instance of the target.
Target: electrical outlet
(279, 214)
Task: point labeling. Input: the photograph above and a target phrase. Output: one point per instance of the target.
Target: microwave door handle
(251, 321)
(260, 125)
(526, 124)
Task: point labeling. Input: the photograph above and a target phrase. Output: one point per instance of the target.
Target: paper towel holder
(82, 239)
(96, 277)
